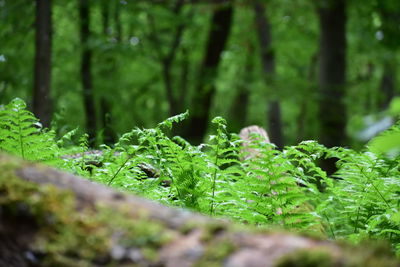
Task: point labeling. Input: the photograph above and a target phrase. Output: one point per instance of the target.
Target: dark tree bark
(42, 101)
(220, 28)
(332, 72)
(86, 69)
(268, 63)
(390, 16)
(303, 132)
(105, 16)
(239, 109)
(332, 77)
(387, 86)
(109, 136)
(167, 60)
(117, 21)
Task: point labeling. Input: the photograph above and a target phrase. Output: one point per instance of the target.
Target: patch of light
(373, 127)
(379, 35)
(134, 40)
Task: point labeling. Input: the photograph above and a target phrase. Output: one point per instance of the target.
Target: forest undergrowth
(276, 188)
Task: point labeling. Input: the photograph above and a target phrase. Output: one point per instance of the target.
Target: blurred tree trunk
(201, 106)
(175, 104)
(268, 63)
(106, 66)
(117, 21)
(239, 109)
(332, 77)
(168, 60)
(42, 102)
(387, 86)
(332, 72)
(105, 16)
(389, 12)
(86, 68)
(303, 121)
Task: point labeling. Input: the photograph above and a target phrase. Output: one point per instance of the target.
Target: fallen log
(52, 218)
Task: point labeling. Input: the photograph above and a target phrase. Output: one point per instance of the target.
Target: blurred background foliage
(139, 49)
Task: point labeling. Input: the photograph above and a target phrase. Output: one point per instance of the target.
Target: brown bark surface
(332, 72)
(42, 101)
(268, 64)
(86, 70)
(201, 105)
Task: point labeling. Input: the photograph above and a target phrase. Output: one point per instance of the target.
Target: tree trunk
(332, 72)
(86, 69)
(105, 16)
(117, 22)
(387, 86)
(168, 60)
(106, 117)
(42, 101)
(51, 218)
(239, 109)
(268, 63)
(201, 106)
(303, 119)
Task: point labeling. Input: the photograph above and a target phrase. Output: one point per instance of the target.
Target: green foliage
(22, 134)
(275, 188)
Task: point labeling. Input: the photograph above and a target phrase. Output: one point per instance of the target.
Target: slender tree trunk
(106, 117)
(117, 21)
(303, 122)
(239, 109)
(220, 28)
(105, 16)
(42, 102)
(389, 12)
(86, 58)
(387, 85)
(268, 63)
(332, 72)
(332, 77)
(167, 59)
(175, 104)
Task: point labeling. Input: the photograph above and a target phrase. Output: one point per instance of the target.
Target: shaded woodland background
(303, 69)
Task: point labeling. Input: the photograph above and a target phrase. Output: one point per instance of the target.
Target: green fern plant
(21, 134)
(285, 188)
(367, 195)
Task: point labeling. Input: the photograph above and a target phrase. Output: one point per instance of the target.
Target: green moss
(369, 253)
(216, 251)
(307, 258)
(213, 228)
(67, 237)
(364, 255)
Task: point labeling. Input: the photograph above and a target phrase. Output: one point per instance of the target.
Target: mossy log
(52, 218)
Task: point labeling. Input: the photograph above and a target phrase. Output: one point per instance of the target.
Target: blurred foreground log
(51, 218)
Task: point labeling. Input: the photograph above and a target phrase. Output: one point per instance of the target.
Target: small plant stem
(330, 226)
(374, 186)
(21, 143)
(116, 173)
(215, 175)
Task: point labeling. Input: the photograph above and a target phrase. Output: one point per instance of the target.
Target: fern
(285, 188)
(367, 197)
(21, 134)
